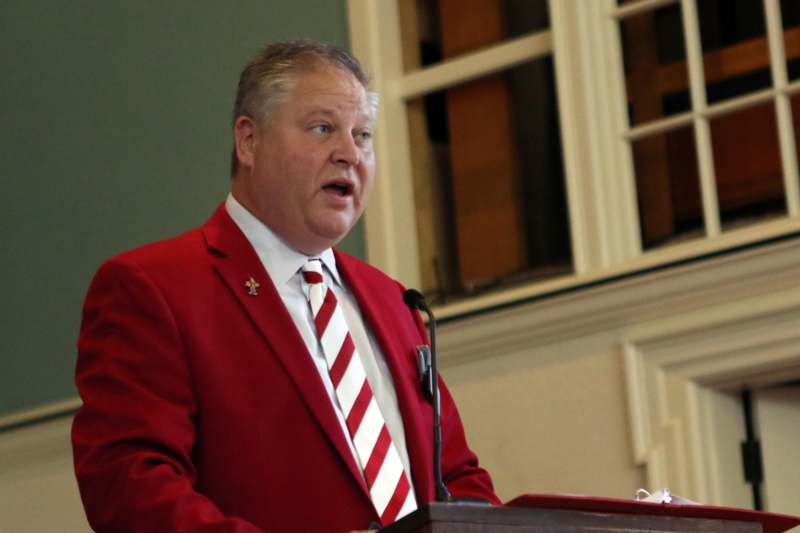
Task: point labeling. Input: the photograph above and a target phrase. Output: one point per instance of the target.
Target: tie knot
(312, 271)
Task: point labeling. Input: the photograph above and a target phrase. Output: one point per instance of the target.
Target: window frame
(584, 40)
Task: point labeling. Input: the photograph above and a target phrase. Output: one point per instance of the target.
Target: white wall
(38, 492)
(626, 385)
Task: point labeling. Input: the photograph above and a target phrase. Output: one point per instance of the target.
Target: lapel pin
(252, 286)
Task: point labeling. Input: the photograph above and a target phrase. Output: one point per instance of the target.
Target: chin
(334, 232)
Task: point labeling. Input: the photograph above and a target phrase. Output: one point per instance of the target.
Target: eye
(322, 129)
(364, 136)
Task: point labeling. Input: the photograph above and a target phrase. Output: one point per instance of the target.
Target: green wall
(115, 132)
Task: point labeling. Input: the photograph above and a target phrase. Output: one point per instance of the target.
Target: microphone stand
(416, 300)
(442, 494)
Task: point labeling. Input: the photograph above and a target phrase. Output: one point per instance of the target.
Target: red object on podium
(770, 522)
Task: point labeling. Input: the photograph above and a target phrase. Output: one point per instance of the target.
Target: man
(244, 377)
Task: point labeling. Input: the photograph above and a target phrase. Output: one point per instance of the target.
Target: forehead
(329, 89)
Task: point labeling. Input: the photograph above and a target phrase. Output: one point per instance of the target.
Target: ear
(244, 135)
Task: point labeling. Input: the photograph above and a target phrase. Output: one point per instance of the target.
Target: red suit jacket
(203, 412)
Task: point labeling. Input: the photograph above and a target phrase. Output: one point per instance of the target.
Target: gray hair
(267, 80)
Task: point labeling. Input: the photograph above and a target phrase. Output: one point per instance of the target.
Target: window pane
(790, 15)
(747, 163)
(435, 30)
(668, 187)
(489, 182)
(735, 49)
(655, 64)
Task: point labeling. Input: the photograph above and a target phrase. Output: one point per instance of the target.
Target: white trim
(678, 294)
(636, 8)
(705, 430)
(391, 228)
(783, 107)
(712, 111)
(725, 107)
(650, 259)
(601, 192)
(754, 341)
(621, 207)
(40, 412)
(661, 125)
(683, 335)
(702, 130)
(738, 104)
(473, 65)
(578, 167)
(637, 403)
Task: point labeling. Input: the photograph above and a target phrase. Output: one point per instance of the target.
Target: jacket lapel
(238, 265)
(394, 328)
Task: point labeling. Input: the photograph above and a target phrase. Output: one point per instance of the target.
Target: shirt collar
(280, 260)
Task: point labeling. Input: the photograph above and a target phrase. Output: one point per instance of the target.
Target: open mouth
(340, 188)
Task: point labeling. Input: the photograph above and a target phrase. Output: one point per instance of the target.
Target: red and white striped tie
(386, 478)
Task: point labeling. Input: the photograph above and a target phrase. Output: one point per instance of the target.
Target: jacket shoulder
(175, 252)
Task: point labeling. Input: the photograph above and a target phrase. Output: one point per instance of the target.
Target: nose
(346, 151)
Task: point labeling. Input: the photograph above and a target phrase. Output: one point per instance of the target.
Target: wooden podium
(567, 514)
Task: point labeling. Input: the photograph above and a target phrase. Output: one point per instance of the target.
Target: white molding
(40, 412)
(751, 340)
(684, 334)
(622, 205)
(391, 227)
(783, 106)
(649, 307)
(599, 177)
(669, 429)
(702, 129)
(648, 260)
(725, 107)
(636, 8)
(705, 429)
(574, 139)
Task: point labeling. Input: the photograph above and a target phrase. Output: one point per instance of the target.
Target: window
(526, 145)
(723, 113)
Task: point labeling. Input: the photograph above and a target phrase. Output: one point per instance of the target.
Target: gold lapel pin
(252, 286)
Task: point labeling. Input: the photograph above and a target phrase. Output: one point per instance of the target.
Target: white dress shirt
(284, 264)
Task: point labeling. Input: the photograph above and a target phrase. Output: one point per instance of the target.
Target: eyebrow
(329, 112)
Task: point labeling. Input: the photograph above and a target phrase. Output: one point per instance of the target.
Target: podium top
(770, 522)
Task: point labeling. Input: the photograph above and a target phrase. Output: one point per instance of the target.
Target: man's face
(307, 173)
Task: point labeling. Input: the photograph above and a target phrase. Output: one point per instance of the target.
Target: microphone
(415, 300)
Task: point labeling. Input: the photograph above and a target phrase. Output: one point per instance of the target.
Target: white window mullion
(783, 107)
(622, 209)
(391, 227)
(636, 8)
(577, 167)
(592, 179)
(474, 65)
(601, 188)
(702, 129)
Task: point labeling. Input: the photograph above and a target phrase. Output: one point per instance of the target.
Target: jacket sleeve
(134, 435)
